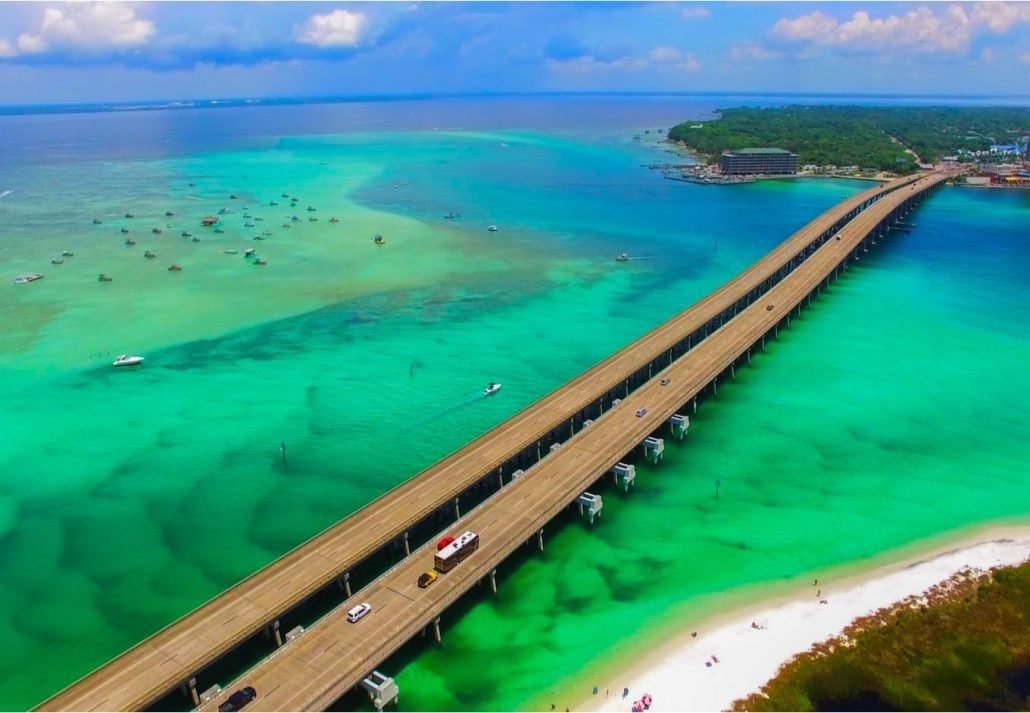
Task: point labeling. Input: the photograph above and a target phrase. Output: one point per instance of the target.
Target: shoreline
(679, 671)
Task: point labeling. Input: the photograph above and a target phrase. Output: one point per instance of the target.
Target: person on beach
(625, 692)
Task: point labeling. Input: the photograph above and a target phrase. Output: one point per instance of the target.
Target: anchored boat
(126, 360)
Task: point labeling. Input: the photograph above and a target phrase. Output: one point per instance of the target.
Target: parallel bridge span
(176, 654)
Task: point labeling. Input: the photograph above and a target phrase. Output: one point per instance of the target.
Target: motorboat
(622, 257)
(273, 202)
(491, 388)
(126, 360)
(312, 209)
(175, 267)
(379, 239)
(334, 219)
(104, 277)
(31, 277)
(195, 239)
(249, 251)
(259, 261)
(258, 237)
(452, 215)
(124, 231)
(97, 221)
(130, 241)
(169, 214)
(492, 228)
(67, 253)
(156, 231)
(312, 219)
(57, 261)
(129, 215)
(219, 230)
(149, 254)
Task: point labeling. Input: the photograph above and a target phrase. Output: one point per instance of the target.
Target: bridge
(561, 445)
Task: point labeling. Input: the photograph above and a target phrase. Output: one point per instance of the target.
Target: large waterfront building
(768, 161)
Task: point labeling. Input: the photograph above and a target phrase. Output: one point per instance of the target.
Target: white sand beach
(685, 676)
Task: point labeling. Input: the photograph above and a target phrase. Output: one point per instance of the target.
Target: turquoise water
(129, 497)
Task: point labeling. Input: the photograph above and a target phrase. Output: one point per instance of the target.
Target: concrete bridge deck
(157, 665)
(332, 656)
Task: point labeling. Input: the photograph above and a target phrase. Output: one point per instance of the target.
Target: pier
(594, 419)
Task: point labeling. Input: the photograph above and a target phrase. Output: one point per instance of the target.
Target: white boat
(31, 277)
(126, 360)
(492, 228)
(622, 257)
(491, 388)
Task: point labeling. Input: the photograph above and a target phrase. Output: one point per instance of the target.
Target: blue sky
(52, 52)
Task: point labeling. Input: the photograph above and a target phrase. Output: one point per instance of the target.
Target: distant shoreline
(676, 670)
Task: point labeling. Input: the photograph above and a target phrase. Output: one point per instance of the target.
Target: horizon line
(227, 101)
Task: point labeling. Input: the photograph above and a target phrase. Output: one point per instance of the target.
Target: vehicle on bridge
(359, 612)
(444, 541)
(427, 578)
(449, 557)
(237, 700)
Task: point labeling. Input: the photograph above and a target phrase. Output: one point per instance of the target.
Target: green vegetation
(868, 137)
(967, 647)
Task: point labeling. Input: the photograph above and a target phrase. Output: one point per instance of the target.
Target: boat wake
(466, 401)
(5, 193)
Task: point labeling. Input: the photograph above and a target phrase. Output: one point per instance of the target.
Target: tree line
(868, 137)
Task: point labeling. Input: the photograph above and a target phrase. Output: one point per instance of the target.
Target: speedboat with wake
(126, 360)
(24, 279)
(491, 388)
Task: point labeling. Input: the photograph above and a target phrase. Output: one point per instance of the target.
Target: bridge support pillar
(189, 689)
(436, 630)
(540, 540)
(538, 450)
(343, 582)
(749, 357)
(627, 388)
(407, 545)
(733, 371)
(493, 581)
(500, 477)
(275, 634)
(695, 404)
(715, 387)
(457, 508)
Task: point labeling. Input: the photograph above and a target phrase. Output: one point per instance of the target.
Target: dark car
(237, 700)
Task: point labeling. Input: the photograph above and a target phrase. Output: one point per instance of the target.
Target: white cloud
(670, 57)
(696, 13)
(921, 30)
(1000, 16)
(339, 28)
(84, 26)
(96, 24)
(743, 51)
(587, 63)
(31, 44)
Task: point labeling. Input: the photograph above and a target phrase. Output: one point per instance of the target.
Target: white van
(359, 612)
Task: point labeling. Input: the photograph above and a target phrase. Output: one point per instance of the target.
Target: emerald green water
(888, 413)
